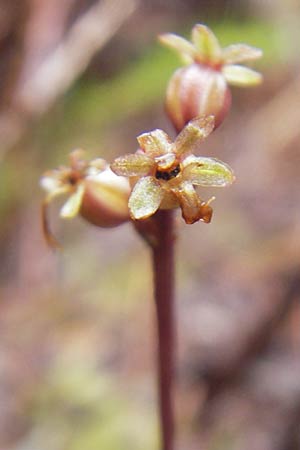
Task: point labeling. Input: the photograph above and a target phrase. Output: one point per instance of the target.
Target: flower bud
(197, 90)
(201, 88)
(105, 200)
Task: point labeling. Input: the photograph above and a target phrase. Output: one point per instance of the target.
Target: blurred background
(77, 349)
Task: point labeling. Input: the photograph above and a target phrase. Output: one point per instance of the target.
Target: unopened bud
(197, 90)
(201, 88)
(105, 200)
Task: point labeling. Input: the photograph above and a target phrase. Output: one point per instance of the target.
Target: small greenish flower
(201, 87)
(93, 191)
(164, 174)
(205, 48)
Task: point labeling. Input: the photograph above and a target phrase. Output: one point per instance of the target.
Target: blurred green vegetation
(78, 407)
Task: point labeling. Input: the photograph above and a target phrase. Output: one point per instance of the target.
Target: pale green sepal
(185, 49)
(241, 76)
(72, 206)
(193, 133)
(155, 143)
(145, 198)
(136, 164)
(206, 43)
(204, 171)
(238, 53)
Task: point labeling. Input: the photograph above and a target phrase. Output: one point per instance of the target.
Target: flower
(164, 173)
(94, 191)
(202, 86)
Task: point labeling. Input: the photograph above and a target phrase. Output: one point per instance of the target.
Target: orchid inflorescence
(161, 174)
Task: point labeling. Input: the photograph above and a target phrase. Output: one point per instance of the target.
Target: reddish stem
(163, 269)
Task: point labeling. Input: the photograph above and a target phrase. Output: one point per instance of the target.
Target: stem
(163, 269)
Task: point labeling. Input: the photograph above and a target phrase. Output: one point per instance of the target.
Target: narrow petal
(241, 76)
(135, 164)
(185, 49)
(193, 133)
(208, 172)
(189, 201)
(145, 198)
(206, 43)
(77, 159)
(48, 235)
(72, 206)
(57, 192)
(155, 143)
(238, 53)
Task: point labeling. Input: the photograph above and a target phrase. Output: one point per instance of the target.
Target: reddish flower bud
(197, 90)
(201, 88)
(105, 199)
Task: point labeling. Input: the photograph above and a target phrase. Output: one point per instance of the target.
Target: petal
(155, 143)
(62, 190)
(189, 201)
(206, 211)
(134, 164)
(241, 76)
(166, 161)
(206, 43)
(240, 52)
(145, 198)
(50, 183)
(208, 172)
(193, 133)
(96, 166)
(72, 206)
(48, 235)
(77, 159)
(186, 50)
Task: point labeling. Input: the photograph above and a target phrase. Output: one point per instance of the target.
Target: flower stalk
(163, 272)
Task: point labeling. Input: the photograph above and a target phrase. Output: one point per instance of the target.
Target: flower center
(73, 177)
(167, 174)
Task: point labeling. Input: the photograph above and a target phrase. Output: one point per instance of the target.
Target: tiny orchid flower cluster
(161, 174)
(201, 88)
